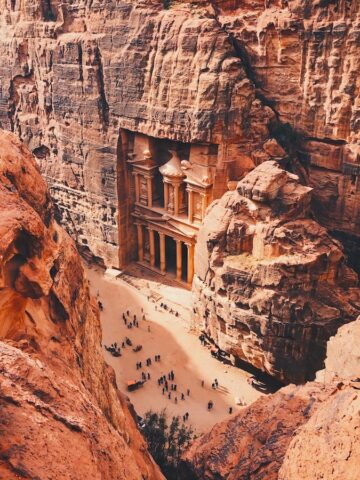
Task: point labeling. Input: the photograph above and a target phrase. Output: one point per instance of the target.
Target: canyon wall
(230, 73)
(300, 432)
(61, 411)
(271, 286)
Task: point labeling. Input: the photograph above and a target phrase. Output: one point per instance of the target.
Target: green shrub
(166, 443)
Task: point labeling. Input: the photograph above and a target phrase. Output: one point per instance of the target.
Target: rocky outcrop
(310, 431)
(303, 432)
(229, 73)
(327, 446)
(61, 413)
(303, 57)
(342, 354)
(271, 286)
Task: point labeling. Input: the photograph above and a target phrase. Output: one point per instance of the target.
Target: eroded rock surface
(61, 413)
(300, 432)
(236, 74)
(271, 286)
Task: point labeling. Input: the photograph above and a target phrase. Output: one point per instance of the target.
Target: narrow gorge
(174, 171)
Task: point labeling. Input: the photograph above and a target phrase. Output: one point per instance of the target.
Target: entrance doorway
(170, 246)
(184, 257)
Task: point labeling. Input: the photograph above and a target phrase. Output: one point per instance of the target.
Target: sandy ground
(180, 349)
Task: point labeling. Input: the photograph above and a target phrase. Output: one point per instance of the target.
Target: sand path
(179, 348)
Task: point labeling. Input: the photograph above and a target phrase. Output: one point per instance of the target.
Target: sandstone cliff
(304, 432)
(231, 73)
(270, 285)
(61, 413)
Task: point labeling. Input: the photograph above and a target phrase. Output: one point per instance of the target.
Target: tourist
(188, 392)
(186, 415)
(216, 383)
(230, 410)
(175, 399)
(182, 396)
(169, 396)
(127, 313)
(148, 376)
(163, 390)
(202, 383)
(148, 328)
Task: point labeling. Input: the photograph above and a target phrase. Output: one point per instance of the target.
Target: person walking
(188, 392)
(230, 410)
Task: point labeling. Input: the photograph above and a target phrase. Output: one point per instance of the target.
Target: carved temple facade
(170, 185)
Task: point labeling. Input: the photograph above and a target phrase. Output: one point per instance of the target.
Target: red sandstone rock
(271, 286)
(61, 414)
(252, 444)
(305, 432)
(234, 74)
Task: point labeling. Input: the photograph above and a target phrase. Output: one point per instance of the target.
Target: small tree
(166, 442)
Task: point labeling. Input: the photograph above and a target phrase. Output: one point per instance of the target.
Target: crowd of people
(166, 382)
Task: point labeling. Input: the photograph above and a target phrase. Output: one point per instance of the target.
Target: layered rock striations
(77, 74)
(308, 431)
(271, 286)
(233, 74)
(61, 413)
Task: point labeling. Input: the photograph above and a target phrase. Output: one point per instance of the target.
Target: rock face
(343, 354)
(235, 74)
(61, 412)
(304, 432)
(270, 285)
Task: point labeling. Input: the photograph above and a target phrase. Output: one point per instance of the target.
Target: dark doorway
(157, 249)
(170, 246)
(184, 255)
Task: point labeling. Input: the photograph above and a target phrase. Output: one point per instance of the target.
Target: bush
(166, 443)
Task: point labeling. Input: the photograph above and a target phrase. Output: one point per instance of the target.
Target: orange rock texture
(235, 74)
(303, 432)
(61, 413)
(300, 432)
(271, 286)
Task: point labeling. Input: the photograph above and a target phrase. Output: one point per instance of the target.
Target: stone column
(162, 252)
(191, 206)
(140, 242)
(152, 247)
(149, 192)
(190, 263)
(166, 195)
(176, 198)
(178, 260)
(137, 188)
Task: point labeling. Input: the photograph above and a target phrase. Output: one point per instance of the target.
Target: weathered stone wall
(300, 432)
(72, 77)
(227, 72)
(61, 413)
(270, 285)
